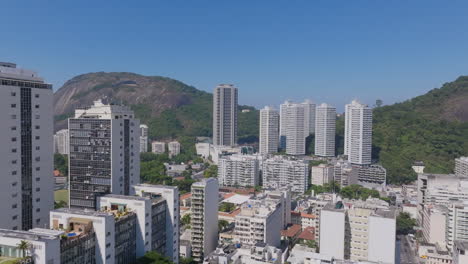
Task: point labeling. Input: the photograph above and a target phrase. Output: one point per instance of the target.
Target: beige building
(433, 223)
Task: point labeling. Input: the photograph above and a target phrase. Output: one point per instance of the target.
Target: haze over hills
(431, 127)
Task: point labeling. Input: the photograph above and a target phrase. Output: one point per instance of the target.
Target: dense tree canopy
(405, 224)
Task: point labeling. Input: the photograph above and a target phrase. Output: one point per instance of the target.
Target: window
(14, 184)
(38, 116)
(13, 105)
(36, 95)
(14, 206)
(36, 106)
(38, 179)
(13, 139)
(38, 137)
(38, 189)
(14, 161)
(38, 210)
(38, 127)
(38, 148)
(38, 220)
(15, 217)
(38, 168)
(38, 199)
(13, 94)
(13, 172)
(13, 116)
(108, 245)
(15, 228)
(38, 158)
(13, 150)
(13, 128)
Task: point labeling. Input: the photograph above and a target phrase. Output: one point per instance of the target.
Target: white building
(371, 176)
(344, 173)
(457, 219)
(259, 221)
(269, 130)
(358, 231)
(158, 147)
(358, 133)
(104, 153)
(433, 221)
(460, 252)
(322, 174)
(441, 189)
(27, 154)
(260, 253)
(461, 167)
(171, 196)
(174, 148)
(238, 170)
(325, 122)
(143, 138)
(284, 171)
(225, 115)
(61, 143)
(309, 117)
(292, 128)
(204, 218)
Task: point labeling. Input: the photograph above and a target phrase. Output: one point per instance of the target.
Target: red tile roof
(185, 196)
(292, 231)
(308, 215)
(308, 233)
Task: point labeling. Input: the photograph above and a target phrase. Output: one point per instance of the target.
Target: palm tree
(24, 246)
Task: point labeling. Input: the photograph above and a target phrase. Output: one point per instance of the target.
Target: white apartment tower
(174, 148)
(269, 130)
(27, 140)
(358, 133)
(61, 143)
(292, 128)
(238, 170)
(280, 171)
(204, 219)
(325, 122)
(461, 167)
(143, 138)
(104, 153)
(309, 117)
(225, 115)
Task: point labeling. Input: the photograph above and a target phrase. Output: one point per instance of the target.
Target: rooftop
(33, 234)
(126, 197)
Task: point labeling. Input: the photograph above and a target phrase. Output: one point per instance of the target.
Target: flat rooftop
(34, 234)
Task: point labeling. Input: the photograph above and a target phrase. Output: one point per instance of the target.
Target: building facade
(325, 122)
(358, 133)
(104, 153)
(27, 153)
(280, 171)
(174, 148)
(309, 117)
(292, 130)
(143, 138)
(461, 167)
(322, 174)
(269, 130)
(61, 143)
(158, 147)
(238, 171)
(225, 115)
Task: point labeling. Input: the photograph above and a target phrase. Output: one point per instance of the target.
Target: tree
(152, 257)
(61, 163)
(227, 207)
(211, 171)
(185, 220)
(405, 224)
(24, 246)
(222, 224)
(60, 204)
(187, 261)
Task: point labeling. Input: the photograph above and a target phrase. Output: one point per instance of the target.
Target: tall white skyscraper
(269, 130)
(292, 128)
(225, 115)
(309, 117)
(104, 153)
(358, 133)
(61, 144)
(27, 192)
(143, 138)
(204, 218)
(325, 122)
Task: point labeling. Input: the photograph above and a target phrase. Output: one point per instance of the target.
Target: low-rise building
(158, 147)
(238, 170)
(460, 252)
(281, 171)
(433, 223)
(322, 174)
(174, 148)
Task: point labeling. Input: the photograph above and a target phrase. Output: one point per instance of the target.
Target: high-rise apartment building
(280, 171)
(143, 138)
(269, 130)
(461, 167)
(238, 171)
(457, 219)
(27, 141)
(325, 122)
(292, 129)
(225, 115)
(204, 218)
(309, 117)
(174, 148)
(358, 133)
(61, 143)
(104, 153)
(322, 174)
(158, 147)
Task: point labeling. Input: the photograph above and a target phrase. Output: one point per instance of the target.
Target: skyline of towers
(225, 102)
(104, 153)
(358, 133)
(269, 130)
(325, 125)
(27, 153)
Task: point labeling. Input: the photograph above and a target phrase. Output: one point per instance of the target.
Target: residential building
(27, 140)
(358, 231)
(344, 173)
(460, 252)
(172, 216)
(292, 128)
(259, 221)
(104, 153)
(418, 167)
(284, 171)
(225, 115)
(260, 253)
(309, 117)
(358, 133)
(174, 148)
(371, 176)
(461, 167)
(322, 174)
(441, 189)
(238, 170)
(269, 130)
(158, 147)
(433, 223)
(325, 122)
(61, 143)
(204, 218)
(434, 253)
(457, 220)
(143, 138)
(279, 197)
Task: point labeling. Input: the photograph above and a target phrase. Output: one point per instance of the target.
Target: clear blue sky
(329, 51)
